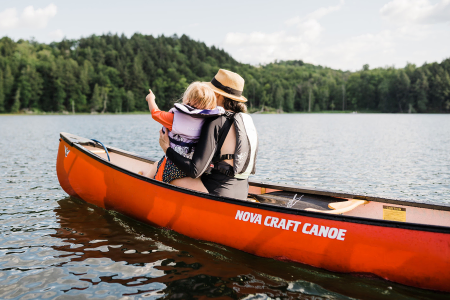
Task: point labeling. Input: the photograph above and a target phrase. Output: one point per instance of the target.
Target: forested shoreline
(112, 73)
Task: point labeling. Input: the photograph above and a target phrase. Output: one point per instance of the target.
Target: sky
(334, 33)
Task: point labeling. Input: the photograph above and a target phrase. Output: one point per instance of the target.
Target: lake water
(52, 246)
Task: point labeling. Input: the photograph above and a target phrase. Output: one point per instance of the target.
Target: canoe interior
(296, 198)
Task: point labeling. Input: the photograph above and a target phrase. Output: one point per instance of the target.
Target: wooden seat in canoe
(98, 151)
(340, 207)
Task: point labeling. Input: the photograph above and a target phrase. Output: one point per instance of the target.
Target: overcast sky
(338, 34)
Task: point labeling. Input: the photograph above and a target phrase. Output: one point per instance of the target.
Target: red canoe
(402, 241)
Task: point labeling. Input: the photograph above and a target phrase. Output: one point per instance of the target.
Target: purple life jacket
(187, 125)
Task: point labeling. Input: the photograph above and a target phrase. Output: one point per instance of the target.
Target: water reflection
(52, 248)
(107, 253)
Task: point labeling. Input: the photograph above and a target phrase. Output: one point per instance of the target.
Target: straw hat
(228, 84)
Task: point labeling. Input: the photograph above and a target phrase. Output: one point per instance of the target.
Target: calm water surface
(52, 246)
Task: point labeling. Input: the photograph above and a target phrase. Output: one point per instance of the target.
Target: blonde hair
(200, 96)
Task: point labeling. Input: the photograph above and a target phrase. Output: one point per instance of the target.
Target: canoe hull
(411, 257)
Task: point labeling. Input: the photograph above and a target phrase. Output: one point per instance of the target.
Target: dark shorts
(170, 172)
(222, 185)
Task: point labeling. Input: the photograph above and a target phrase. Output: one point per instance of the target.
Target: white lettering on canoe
(324, 231)
(258, 220)
(246, 216)
(304, 228)
(239, 215)
(341, 234)
(274, 222)
(296, 225)
(286, 224)
(314, 230)
(282, 224)
(332, 234)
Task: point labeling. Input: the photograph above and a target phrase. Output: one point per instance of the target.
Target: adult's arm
(204, 150)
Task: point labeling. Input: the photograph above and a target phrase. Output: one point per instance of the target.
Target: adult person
(225, 154)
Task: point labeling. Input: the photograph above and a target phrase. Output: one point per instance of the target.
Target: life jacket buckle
(209, 169)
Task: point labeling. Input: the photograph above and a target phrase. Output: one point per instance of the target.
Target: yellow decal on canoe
(392, 213)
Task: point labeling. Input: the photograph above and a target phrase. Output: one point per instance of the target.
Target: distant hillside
(112, 73)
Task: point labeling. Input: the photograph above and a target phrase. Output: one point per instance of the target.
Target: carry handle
(106, 150)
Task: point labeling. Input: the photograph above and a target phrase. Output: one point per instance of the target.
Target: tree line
(112, 73)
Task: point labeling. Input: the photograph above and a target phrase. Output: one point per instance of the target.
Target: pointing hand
(150, 96)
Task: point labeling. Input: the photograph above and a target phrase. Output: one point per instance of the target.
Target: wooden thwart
(340, 207)
(98, 151)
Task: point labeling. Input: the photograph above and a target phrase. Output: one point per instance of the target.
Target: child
(184, 122)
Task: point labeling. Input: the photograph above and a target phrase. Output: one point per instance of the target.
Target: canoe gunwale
(294, 189)
(78, 144)
(110, 149)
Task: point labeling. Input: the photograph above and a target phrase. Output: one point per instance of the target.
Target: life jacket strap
(217, 164)
(182, 144)
(223, 168)
(227, 156)
(222, 135)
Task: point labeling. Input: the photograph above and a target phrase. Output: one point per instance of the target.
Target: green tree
(16, 104)
(354, 91)
(115, 99)
(401, 85)
(323, 97)
(30, 85)
(442, 90)
(130, 101)
(251, 89)
(265, 96)
(419, 90)
(81, 102)
(279, 97)
(53, 76)
(96, 99)
(104, 98)
(180, 87)
(85, 76)
(59, 95)
(384, 95)
(2, 93)
(8, 81)
(289, 100)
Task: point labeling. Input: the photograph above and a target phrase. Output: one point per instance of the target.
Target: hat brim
(219, 91)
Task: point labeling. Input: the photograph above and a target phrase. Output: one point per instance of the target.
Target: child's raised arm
(162, 117)
(151, 101)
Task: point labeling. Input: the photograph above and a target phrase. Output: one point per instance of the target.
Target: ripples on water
(52, 246)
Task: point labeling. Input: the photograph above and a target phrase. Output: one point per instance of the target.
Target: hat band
(226, 89)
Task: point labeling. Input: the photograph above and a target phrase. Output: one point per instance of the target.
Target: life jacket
(187, 126)
(244, 157)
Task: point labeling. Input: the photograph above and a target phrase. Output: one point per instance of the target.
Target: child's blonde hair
(200, 96)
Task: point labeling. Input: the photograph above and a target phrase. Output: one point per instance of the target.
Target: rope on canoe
(106, 150)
